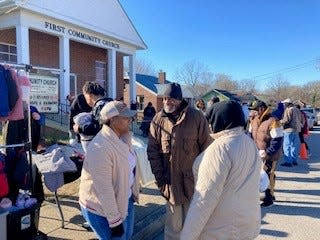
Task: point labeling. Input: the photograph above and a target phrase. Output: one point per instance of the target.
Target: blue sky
(242, 38)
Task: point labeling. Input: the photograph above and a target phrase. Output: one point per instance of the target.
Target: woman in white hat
(109, 182)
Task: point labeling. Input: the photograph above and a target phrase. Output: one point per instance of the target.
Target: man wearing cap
(267, 133)
(178, 134)
(292, 122)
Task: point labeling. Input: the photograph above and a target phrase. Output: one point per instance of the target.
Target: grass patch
(54, 136)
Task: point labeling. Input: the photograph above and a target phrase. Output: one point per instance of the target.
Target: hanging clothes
(12, 89)
(17, 111)
(4, 99)
(17, 169)
(25, 85)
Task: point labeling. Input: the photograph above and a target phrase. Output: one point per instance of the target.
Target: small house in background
(221, 94)
(150, 89)
(247, 98)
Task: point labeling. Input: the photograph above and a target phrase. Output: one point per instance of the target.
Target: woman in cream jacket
(225, 204)
(109, 183)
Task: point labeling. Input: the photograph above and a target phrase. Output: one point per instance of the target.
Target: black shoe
(295, 163)
(266, 204)
(273, 198)
(286, 164)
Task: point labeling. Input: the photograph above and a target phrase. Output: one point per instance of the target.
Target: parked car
(313, 113)
(318, 115)
(310, 119)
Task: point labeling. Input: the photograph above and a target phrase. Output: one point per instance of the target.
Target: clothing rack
(25, 144)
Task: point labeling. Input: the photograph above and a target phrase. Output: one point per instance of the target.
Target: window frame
(101, 77)
(9, 54)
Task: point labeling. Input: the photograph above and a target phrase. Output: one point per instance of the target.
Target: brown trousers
(270, 168)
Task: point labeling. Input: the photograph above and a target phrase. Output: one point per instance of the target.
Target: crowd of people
(207, 161)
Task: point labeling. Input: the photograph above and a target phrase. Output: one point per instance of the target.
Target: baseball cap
(115, 108)
(287, 100)
(257, 104)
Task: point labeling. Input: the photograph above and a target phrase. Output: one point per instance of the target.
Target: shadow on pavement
(298, 179)
(69, 201)
(301, 168)
(287, 210)
(299, 191)
(299, 202)
(78, 220)
(292, 210)
(273, 233)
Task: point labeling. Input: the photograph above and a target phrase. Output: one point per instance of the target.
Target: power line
(287, 69)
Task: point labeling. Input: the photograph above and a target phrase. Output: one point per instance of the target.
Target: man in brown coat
(178, 134)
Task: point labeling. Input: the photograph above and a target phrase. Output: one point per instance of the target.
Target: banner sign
(44, 93)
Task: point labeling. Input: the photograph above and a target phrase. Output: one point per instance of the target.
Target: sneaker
(286, 164)
(295, 163)
(86, 226)
(266, 204)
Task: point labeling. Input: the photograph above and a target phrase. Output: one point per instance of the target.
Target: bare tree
(196, 75)
(247, 85)
(311, 94)
(142, 66)
(145, 67)
(225, 82)
(278, 88)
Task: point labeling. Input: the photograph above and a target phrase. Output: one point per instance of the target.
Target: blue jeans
(291, 145)
(100, 225)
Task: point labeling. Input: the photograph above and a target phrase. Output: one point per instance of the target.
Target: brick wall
(44, 52)
(159, 104)
(148, 97)
(82, 61)
(8, 36)
(44, 49)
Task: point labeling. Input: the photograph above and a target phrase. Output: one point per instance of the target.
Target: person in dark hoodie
(178, 134)
(78, 105)
(225, 203)
(95, 97)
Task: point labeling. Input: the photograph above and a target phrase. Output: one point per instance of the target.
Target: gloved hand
(263, 154)
(117, 231)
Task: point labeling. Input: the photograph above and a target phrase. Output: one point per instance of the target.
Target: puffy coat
(226, 201)
(267, 133)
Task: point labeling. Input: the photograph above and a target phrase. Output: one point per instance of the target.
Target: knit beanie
(173, 90)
